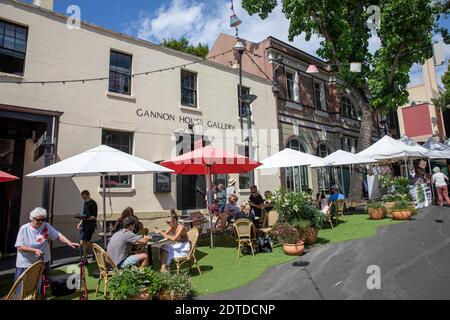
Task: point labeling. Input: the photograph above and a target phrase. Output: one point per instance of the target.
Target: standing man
(256, 201)
(88, 222)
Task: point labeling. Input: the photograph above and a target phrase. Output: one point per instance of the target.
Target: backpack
(265, 244)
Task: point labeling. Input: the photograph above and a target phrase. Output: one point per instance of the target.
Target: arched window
(297, 177)
(347, 109)
(324, 175)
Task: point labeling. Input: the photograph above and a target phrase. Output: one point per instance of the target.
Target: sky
(199, 20)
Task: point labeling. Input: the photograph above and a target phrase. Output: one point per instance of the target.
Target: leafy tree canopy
(183, 45)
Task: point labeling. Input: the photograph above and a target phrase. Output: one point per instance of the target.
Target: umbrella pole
(406, 168)
(342, 178)
(432, 187)
(208, 187)
(104, 210)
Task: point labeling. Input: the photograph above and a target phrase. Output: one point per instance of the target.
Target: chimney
(46, 4)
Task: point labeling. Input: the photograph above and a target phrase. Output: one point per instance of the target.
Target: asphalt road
(413, 257)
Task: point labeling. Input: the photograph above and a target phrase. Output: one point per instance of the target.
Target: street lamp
(239, 48)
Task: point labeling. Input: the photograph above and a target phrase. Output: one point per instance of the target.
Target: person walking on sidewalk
(440, 181)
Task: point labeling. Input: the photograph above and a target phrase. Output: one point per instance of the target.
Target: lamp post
(245, 101)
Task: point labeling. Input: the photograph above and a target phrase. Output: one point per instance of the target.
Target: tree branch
(327, 37)
(358, 14)
(395, 64)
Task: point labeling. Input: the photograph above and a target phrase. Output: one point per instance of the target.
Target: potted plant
(134, 284)
(175, 287)
(289, 238)
(376, 210)
(295, 207)
(402, 210)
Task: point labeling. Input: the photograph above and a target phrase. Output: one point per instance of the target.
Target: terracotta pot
(166, 295)
(294, 249)
(309, 235)
(376, 214)
(401, 215)
(144, 295)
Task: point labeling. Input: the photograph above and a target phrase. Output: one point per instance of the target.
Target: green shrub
(375, 205)
(402, 205)
(178, 286)
(401, 185)
(286, 233)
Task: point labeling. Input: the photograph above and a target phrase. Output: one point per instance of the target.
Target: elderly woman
(178, 233)
(440, 181)
(32, 242)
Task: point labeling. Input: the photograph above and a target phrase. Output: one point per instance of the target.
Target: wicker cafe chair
(245, 232)
(329, 214)
(27, 285)
(106, 267)
(198, 219)
(340, 208)
(193, 237)
(269, 221)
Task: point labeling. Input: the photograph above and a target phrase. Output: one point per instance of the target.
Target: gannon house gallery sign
(164, 116)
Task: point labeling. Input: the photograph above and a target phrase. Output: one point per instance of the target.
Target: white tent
(101, 161)
(429, 153)
(447, 142)
(388, 148)
(290, 158)
(434, 145)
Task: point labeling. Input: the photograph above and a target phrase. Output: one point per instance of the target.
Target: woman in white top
(231, 189)
(440, 181)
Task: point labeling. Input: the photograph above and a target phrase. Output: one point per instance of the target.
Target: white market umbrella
(100, 161)
(434, 145)
(341, 158)
(429, 153)
(288, 158)
(388, 148)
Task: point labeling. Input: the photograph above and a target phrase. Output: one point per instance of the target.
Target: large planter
(294, 249)
(376, 213)
(309, 235)
(166, 295)
(401, 214)
(389, 206)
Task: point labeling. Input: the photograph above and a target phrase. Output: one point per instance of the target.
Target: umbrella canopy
(343, 158)
(5, 177)
(388, 148)
(98, 161)
(433, 154)
(291, 158)
(218, 161)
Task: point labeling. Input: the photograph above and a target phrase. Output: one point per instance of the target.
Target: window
(290, 78)
(13, 44)
(347, 110)
(243, 107)
(122, 141)
(162, 182)
(325, 176)
(245, 178)
(319, 95)
(297, 177)
(188, 89)
(120, 73)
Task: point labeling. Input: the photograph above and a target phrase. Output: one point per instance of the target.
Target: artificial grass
(222, 271)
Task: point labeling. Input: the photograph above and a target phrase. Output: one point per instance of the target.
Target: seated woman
(128, 212)
(246, 212)
(322, 203)
(177, 233)
(229, 214)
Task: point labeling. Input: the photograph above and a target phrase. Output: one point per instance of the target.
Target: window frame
(14, 50)
(246, 175)
(105, 132)
(116, 72)
(348, 109)
(182, 88)
(321, 100)
(240, 103)
(290, 95)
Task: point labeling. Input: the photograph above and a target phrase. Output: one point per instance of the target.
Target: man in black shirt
(88, 222)
(256, 201)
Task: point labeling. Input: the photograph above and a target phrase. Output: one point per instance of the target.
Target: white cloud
(201, 22)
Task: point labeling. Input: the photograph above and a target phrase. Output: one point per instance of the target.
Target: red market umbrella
(5, 177)
(208, 161)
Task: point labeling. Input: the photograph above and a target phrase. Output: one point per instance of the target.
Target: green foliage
(183, 45)
(386, 182)
(401, 185)
(132, 281)
(297, 208)
(395, 188)
(395, 197)
(179, 286)
(375, 205)
(420, 193)
(286, 233)
(402, 205)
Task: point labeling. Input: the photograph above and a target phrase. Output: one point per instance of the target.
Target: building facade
(420, 119)
(313, 115)
(116, 100)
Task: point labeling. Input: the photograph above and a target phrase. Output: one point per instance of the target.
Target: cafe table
(155, 244)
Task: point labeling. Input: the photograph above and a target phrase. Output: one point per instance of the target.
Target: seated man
(121, 243)
(335, 195)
